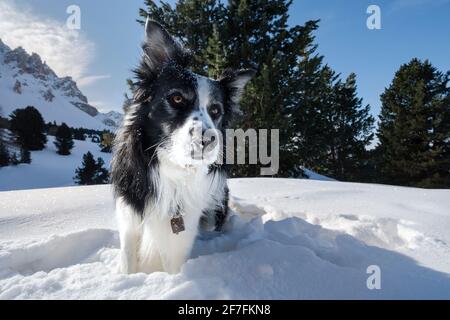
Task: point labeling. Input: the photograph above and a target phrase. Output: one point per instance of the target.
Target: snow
(287, 239)
(315, 176)
(49, 169)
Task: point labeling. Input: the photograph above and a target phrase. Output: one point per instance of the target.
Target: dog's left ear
(160, 47)
(234, 82)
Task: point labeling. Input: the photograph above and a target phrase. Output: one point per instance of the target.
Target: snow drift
(288, 239)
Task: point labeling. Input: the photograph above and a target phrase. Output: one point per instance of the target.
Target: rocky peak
(69, 88)
(3, 47)
(30, 64)
(48, 84)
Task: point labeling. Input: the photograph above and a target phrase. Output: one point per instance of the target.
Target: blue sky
(108, 45)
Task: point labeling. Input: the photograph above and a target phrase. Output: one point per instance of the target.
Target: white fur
(149, 245)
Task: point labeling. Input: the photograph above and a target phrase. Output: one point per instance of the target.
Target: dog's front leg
(129, 225)
(174, 249)
(177, 250)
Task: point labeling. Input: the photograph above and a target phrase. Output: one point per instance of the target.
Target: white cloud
(87, 81)
(66, 51)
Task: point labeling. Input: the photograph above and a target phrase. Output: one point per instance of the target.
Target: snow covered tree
(64, 141)
(29, 128)
(414, 130)
(91, 172)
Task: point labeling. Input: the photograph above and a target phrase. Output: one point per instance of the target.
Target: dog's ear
(234, 82)
(160, 47)
(130, 166)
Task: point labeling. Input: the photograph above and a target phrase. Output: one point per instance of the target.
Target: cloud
(87, 81)
(66, 51)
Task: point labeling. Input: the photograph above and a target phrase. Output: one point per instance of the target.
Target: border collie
(166, 174)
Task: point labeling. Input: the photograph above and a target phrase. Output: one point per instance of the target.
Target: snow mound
(286, 239)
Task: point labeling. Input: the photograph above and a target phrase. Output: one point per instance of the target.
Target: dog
(166, 172)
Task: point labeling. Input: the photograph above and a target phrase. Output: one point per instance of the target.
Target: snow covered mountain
(288, 239)
(25, 80)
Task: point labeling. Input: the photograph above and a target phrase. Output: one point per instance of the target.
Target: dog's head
(176, 117)
(187, 112)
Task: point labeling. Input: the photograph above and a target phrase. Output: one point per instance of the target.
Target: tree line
(28, 132)
(324, 125)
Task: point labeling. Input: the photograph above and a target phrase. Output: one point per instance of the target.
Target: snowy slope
(27, 81)
(49, 169)
(289, 239)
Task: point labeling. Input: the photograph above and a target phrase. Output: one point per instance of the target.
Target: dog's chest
(185, 192)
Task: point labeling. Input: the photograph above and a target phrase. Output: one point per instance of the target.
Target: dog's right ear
(160, 47)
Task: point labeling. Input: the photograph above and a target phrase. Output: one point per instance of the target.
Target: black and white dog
(166, 173)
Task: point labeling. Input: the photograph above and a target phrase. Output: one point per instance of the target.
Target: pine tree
(414, 130)
(29, 128)
(91, 171)
(242, 34)
(78, 134)
(216, 54)
(64, 141)
(14, 160)
(4, 153)
(190, 21)
(310, 129)
(25, 156)
(351, 132)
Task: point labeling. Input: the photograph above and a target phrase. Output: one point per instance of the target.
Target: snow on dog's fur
(166, 155)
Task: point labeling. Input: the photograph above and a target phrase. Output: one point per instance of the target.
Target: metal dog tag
(177, 224)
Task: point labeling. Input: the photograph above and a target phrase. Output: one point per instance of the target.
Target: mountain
(111, 118)
(26, 80)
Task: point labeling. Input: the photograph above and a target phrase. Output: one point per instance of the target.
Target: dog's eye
(177, 99)
(215, 111)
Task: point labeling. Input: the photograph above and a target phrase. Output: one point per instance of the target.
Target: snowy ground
(289, 239)
(49, 169)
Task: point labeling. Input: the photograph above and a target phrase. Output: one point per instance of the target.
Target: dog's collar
(177, 221)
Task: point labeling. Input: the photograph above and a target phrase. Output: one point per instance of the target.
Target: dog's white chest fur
(149, 244)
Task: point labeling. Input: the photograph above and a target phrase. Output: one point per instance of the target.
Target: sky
(102, 53)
